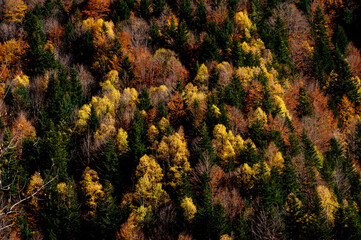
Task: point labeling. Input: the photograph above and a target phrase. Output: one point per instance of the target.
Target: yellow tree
(149, 190)
(328, 201)
(189, 208)
(35, 186)
(92, 190)
(202, 76)
(258, 117)
(226, 145)
(281, 107)
(173, 151)
(122, 141)
(14, 10)
(11, 52)
(346, 110)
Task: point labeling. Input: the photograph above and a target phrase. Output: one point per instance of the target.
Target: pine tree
(122, 10)
(128, 69)
(341, 40)
(39, 57)
(323, 62)
(109, 164)
(137, 138)
(280, 42)
(237, 54)
(181, 39)
(201, 16)
(293, 218)
(55, 97)
(93, 121)
(144, 100)
(304, 107)
(144, 9)
(77, 89)
(312, 156)
(186, 12)
(290, 183)
(210, 49)
(205, 145)
(158, 6)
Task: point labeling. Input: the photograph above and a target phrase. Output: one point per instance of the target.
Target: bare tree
(266, 226)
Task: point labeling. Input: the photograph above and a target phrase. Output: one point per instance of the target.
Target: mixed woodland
(180, 119)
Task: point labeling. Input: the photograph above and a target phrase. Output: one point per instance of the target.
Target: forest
(180, 119)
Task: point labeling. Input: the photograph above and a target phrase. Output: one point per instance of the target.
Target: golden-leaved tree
(14, 10)
(149, 190)
(173, 152)
(92, 190)
(226, 145)
(189, 208)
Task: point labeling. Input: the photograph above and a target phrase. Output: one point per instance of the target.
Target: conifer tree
(109, 164)
(323, 62)
(186, 12)
(304, 107)
(93, 120)
(144, 9)
(201, 16)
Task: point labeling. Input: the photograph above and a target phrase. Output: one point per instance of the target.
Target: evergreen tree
(323, 62)
(158, 7)
(93, 121)
(205, 146)
(210, 49)
(137, 139)
(341, 40)
(186, 12)
(122, 10)
(234, 93)
(144, 100)
(201, 16)
(144, 9)
(279, 41)
(76, 89)
(55, 97)
(128, 69)
(290, 183)
(213, 78)
(205, 221)
(181, 39)
(304, 107)
(109, 164)
(39, 57)
(313, 158)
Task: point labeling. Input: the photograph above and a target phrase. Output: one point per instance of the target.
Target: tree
(149, 190)
(323, 62)
(304, 107)
(227, 146)
(122, 10)
(40, 57)
(14, 10)
(97, 9)
(189, 208)
(200, 16)
(294, 216)
(186, 12)
(92, 191)
(144, 9)
(173, 152)
(258, 118)
(122, 141)
(109, 164)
